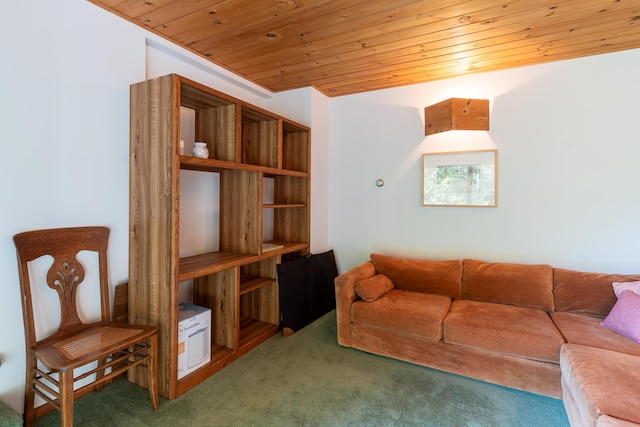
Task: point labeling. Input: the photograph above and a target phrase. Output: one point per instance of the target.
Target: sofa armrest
(346, 295)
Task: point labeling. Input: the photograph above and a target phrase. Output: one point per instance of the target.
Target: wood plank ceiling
(342, 47)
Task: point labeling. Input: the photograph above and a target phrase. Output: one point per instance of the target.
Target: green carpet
(307, 379)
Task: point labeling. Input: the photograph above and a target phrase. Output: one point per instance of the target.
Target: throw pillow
(618, 287)
(374, 287)
(624, 317)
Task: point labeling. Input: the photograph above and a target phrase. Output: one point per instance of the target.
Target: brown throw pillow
(374, 287)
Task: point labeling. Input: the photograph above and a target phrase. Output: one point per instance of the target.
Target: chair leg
(29, 399)
(66, 398)
(99, 375)
(153, 363)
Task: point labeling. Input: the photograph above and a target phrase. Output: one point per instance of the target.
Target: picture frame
(460, 178)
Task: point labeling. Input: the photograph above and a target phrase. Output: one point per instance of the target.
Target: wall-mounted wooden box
(457, 114)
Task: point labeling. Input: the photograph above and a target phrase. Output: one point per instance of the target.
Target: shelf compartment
(259, 299)
(290, 190)
(253, 332)
(250, 283)
(259, 138)
(291, 224)
(199, 217)
(295, 147)
(217, 291)
(240, 211)
(220, 357)
(215, 119)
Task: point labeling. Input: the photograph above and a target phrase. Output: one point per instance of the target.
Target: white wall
(65, 81)
(568, 169)
(311, 107)
(65, 84)
(565, 131)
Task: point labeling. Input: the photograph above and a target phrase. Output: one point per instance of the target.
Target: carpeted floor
(307, 379)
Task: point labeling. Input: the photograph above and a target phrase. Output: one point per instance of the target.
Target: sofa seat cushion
(405, 312)
(601, 382)
(586, 330)
(517, 331)
(528, 285)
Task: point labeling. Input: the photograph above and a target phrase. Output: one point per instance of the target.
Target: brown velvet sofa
(530, 327)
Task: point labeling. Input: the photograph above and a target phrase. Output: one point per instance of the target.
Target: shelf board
(213, 165)
(286, 248)
(206, 165)
(220, 357)
(284, 205)
(211, 262)
(251, 283)
(253, 332)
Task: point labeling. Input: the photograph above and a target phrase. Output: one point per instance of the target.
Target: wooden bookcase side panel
(238, 134)
(218, 292)
(153, 220)
(279, 145)
(240, 213)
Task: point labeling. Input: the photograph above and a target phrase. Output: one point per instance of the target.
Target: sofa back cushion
(429, 276)
(586, 293)
(527, 285)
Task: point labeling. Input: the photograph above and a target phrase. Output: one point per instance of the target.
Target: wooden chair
(51, 360)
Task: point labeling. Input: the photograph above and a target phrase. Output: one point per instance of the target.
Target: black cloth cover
(307, 289)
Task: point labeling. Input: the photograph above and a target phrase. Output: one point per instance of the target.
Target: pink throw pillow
(374, 287)
(618, 287)
(624, 317)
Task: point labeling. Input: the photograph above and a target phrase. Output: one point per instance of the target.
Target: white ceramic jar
(200, 150)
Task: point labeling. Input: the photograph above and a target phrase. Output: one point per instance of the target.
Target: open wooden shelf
(251, 283)
(284, 205)
(237, 281)
(213, 165)
(211, 262)
(252, 330)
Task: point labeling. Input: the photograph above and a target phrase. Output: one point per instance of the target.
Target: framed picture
(461, 178)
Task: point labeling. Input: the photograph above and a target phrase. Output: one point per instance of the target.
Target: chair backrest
(65, 274)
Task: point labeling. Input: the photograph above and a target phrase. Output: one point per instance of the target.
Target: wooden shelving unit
(248, 147)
